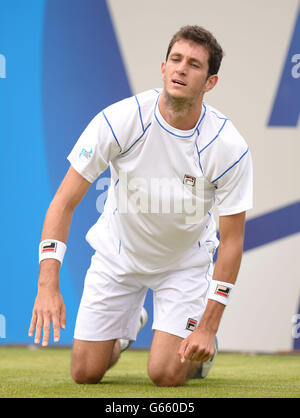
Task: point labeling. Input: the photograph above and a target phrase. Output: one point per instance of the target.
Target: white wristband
(220, 291)
(51, 248)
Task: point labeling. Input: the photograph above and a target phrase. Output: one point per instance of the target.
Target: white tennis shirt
(164, 181)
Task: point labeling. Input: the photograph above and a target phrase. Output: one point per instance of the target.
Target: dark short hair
(203, 37)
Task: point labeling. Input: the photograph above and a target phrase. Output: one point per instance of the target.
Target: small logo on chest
(189, 180)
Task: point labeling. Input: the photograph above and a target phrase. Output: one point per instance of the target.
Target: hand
(199, 346)
(48, 307)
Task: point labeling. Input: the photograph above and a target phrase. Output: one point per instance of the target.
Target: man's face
(185, 74)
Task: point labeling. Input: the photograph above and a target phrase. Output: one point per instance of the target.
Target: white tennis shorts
(112, 300)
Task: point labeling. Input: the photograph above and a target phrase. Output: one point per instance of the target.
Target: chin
(176, 94)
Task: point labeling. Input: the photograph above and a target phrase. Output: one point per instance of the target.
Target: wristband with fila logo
(220, 291)
(52, 248)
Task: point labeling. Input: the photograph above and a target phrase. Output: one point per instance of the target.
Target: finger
(203, 356)
(194, 353)
(208, 356)
(32, 324)
(189, 352)
(38, 328)
(47, 328)
(56, 328)
(63, 317)
(194, 357)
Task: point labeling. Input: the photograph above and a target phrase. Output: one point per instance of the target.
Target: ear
(211, 82)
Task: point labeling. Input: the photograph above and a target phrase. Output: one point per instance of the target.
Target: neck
(179, 112)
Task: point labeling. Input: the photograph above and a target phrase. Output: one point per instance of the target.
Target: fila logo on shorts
(49, 246)
(189, 180)
(191, 324)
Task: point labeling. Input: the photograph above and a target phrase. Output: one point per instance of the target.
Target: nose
(181, 67)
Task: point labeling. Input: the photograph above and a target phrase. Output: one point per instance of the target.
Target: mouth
(178, 82)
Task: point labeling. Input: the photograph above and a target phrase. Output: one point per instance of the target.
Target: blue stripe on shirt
(141, 119)
(219, 117)
(114, 135)
(137, 140)
(199, 158)
(222, 127)
(231, 166)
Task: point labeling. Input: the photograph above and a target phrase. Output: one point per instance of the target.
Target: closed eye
(195, 64)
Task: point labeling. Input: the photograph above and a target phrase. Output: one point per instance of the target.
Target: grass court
(44, 373)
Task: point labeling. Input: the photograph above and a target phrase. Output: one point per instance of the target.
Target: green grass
(43, 373)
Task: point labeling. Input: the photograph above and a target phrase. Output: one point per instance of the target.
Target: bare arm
(49, 306)
(199, 346)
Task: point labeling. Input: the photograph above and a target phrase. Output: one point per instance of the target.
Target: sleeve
(95, 148)
(234, 187)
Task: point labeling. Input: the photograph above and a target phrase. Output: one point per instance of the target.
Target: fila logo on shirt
(189, 180)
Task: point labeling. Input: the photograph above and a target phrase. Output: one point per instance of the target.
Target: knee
(165, 377)
(82, 375)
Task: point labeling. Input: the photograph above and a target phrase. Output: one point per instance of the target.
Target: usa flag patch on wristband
(222, 290)
(49, 246)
